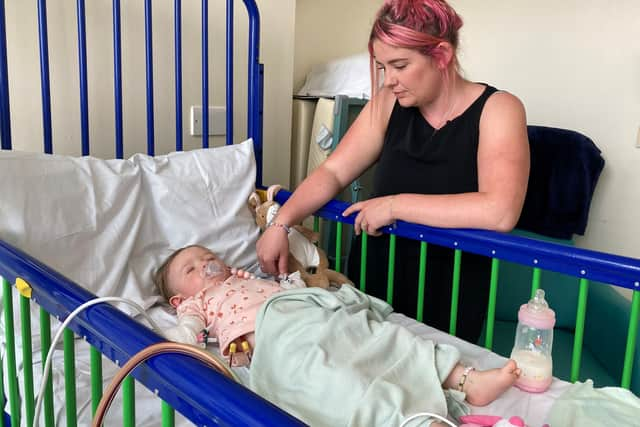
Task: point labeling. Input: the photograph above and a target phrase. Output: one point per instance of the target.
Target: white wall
(277, 55)
(575, 64)
(24, 74)
(330, 29)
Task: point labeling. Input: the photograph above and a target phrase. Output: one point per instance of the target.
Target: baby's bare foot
(483, 387)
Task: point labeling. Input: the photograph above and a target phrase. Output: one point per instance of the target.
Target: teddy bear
(304, 256)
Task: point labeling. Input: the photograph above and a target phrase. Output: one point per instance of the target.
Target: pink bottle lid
(536, 312)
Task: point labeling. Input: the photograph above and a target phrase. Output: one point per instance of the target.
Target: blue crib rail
(224, 402)
(583, 263)
(179, 380)
(117, 83)
(5, 111)
(82, 67)
(148, 38)
(255, 77)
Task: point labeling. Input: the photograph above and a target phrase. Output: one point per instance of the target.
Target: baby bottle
(532, 348)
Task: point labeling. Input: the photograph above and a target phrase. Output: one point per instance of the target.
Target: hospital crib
(177, 379)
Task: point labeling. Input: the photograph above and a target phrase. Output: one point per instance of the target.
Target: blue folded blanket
(565, 167)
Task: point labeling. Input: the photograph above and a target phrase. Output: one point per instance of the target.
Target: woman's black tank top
(418, 159)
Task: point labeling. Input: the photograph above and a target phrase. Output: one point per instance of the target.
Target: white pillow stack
(108, 224)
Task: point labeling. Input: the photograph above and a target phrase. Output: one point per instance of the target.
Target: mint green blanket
(331, 359)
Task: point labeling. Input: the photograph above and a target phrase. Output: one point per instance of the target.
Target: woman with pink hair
(449, 152)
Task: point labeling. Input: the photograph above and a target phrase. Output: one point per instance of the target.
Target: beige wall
(276, 48)
(330, 29)
(575, 64)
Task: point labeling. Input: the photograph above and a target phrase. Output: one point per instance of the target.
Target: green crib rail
(631, 340)
(579, 334)
(455, 291)
(45, 343)
(25, 395)
(2, 396)
(129, 407)
(491, 310)
(9, 369)
(12, 371)
(69, 378)
(96, 379)
(168, 415)
(27, 358)
(536, 283)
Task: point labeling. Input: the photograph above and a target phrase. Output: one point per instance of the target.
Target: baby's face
(186, 275)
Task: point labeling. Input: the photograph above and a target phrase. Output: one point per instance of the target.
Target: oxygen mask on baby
(212, 269)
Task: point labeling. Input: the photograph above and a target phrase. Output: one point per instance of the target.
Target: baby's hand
(242, 274)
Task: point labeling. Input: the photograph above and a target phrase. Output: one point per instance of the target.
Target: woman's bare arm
(503, 171)
(358, 150)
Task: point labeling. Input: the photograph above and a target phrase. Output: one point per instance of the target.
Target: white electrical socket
(217, 120)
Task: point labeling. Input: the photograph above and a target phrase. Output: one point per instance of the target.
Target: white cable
(56, 338)
(426, 414)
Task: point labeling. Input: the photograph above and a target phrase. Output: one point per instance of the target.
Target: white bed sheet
(533, 408)
(170, 178)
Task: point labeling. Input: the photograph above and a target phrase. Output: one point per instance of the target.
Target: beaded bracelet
(278, 224)
(463, 377)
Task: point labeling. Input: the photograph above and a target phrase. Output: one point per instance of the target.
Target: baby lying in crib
(210, 296)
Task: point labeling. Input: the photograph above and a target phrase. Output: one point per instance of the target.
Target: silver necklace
(445, 117)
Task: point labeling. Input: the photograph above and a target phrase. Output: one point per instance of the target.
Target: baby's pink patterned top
(229, 309)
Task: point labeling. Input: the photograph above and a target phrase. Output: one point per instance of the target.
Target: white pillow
(344, 76)
(108, 224)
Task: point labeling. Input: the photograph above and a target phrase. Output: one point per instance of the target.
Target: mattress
(531, 407)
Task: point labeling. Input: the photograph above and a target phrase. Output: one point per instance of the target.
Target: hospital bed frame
(177, 379)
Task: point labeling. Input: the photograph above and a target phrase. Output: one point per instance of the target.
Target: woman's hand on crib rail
(273, 251)
(372, 215)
